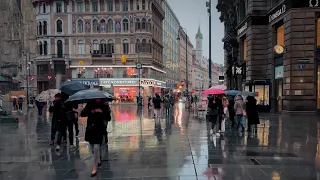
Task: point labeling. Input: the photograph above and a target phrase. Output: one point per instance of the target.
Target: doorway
(279, 95)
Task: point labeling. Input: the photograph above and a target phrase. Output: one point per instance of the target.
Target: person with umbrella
(97, 112)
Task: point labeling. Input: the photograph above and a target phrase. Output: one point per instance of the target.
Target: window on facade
(103, 26)
(94, 6)
(79, 6)
(40, 28)
(95, 26)
(80, 26)
(42, 69)
(138, 46)
(149, 25)
(125, 46)
(125, 5)
(110, 5)
(81, 49)
(244, 49)
(44, 7)
(110, 47)
(58, 7)
(95, 47)
(242, 9)
(110, 25)
(144, 45)
(150, 46)
(45, 48)
(59, 49)
(143, 23)
(138, 5)
(45, 25)
(125, 25)
(101, 5)
(103, 47)
(117, 5)
(138, 24)
(59, 26)
(60, 68)
(280, 35)
(40, 48)
(143, 4)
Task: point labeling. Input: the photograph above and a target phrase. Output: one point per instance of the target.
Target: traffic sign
(139, 66)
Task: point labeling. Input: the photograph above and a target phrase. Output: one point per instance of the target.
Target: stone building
(184, 53)
(271, 48)
(86, 41)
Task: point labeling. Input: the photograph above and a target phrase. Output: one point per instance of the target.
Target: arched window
(103, 47)
(149, 25)
(110, 25)
(95, 26)
(150, 47)
(125, 46)
(45, 27)
(59, 26)
(138, 46)
(40, 28)
(44, 7)
(125, 25)
(103, 26)
(138, 24)
(95, 47)
(143, 23)
(80, 26)
(110, 46)
(144, 45)
(81, 49)
(45, 48)
(40, 48)
(59, 48)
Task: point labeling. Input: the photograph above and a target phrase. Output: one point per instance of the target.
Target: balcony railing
(101, 55)
(59, 56)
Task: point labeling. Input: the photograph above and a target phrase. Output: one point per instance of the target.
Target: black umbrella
(71, 87)
(85, 95)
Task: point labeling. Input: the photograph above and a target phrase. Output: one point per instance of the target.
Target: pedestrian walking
(55, 118)
(166, 104)
(239, 111)
(218, 100)
(20, 103)
(40, 106)
(157, 105)
(97, 112)
(231, 111)
(252, 113)
(212, 113)
(15, 104)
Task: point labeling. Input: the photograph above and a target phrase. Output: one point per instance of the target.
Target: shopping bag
(223, 125)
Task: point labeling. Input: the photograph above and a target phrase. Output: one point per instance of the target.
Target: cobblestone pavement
(286, 147)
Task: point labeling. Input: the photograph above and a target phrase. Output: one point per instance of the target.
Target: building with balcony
(85, 41)
(272, 49)
(171, 26)
(185, 55)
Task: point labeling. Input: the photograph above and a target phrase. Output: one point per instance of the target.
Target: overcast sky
(191, 14)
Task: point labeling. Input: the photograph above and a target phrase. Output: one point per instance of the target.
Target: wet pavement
(286, 147)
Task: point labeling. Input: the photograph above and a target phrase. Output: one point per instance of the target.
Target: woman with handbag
(97, 112)
(238, 108)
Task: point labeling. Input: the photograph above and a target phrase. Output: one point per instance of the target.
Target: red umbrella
(213, 91)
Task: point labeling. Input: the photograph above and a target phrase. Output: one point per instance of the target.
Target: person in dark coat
(232, 114)
(212, 114)
(157, 105)
(252, 112)
(218, 101)
(97, 112)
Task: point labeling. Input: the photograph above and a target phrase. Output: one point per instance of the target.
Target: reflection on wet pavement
(175, 147)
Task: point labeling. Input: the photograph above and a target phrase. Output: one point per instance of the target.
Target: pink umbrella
(221, 86)
(213, 91)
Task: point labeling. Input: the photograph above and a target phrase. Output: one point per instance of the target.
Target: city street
(286, 147)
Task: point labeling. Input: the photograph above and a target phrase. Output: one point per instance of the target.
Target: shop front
(261, 89)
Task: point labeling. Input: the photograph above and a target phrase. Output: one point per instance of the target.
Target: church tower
(199, 38)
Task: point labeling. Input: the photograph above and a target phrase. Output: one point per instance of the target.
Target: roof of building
(199, 34)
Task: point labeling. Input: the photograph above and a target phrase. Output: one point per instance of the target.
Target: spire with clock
(199, 38)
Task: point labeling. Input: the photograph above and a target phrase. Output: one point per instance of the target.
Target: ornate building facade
(272, 49)
(85, 41)
(171, 46)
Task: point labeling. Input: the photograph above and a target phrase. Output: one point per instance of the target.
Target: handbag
(89, 132)
(223, 125)
(244, 112)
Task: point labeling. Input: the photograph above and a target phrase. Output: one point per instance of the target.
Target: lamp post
(139, 67)
(187, 72)
(208, 5)
(26, 53)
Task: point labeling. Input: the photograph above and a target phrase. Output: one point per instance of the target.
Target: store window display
(262, 94)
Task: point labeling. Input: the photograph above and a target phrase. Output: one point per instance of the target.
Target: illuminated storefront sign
(130, 82)
(278, 13)
(88, 82)
(107, 82)
(243, 28)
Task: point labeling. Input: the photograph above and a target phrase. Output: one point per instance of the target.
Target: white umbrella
(221, 86)
(47, 95)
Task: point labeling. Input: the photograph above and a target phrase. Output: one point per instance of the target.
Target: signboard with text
(88, 82)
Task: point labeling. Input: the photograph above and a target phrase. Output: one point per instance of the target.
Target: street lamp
(208, 5)
(139, 67)
(187, 86)
(26, 53)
